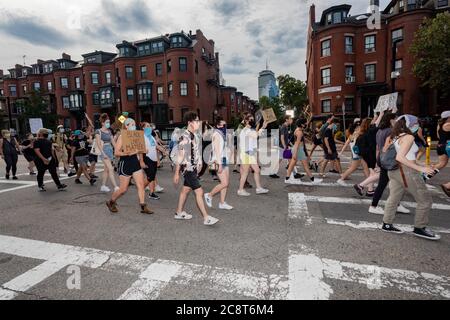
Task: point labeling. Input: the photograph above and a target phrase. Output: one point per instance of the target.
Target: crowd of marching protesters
(388, 148)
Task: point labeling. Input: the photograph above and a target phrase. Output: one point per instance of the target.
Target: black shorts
(128, 166)
(191, 180)
(28, 157)
(93, 158)
(317, 141)
(441, 150)
(152, 168)
(331, 157)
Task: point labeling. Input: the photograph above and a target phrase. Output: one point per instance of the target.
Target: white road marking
(298, 208)
(340, 200)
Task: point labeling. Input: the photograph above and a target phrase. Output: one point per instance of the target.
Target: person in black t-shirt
(80, 153)
(28, 152)
(329, 146)
(45, 159)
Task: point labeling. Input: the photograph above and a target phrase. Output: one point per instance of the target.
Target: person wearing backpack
(443, 147)
(405, 176)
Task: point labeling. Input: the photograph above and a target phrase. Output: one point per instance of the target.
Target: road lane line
(298, 207)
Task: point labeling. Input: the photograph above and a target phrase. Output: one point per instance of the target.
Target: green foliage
(293, 94)
(37, 107)
(431, 50)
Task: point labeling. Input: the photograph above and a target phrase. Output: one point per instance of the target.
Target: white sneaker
(225, 206)
(341, 183)
(376, 210)
(317, 181)
(210, 221)
(243, 193)
(183, 216)
(262, 191)
(159, 189)
(105, 189)
(402, 209)
(208, 200)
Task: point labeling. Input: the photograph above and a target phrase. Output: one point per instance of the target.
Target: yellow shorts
(247, 159)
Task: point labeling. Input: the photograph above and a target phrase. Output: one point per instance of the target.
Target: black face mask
(252, 124)
(45, 136)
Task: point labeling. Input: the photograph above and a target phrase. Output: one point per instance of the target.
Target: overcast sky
(246, 32)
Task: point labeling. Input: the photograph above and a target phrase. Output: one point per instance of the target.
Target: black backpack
(388, 158)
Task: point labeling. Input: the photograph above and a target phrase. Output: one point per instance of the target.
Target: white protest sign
(35, 125)
(387, 102)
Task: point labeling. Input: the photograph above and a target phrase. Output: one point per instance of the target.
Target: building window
(170, 89)
(171, 115)
(232, 98)
(169, 66)
(349, 75)
(130, 94)
(196, 66)
(337, 17)
(159, 69)
(442, 3)
(157, 47)
(329, 18)
(397, 35)
(401, 5)
(145, 93)
(369, 43)
(160, 93)
(144, 49)
(66, 102)
(412, 4)
(183, 88)
(326, 76)
(96, 98)
(129, 72)
(370, 72)
(94, 78)
(108, 77)
(326, 48)
(50, 86)
(349, 102)
(77, 83)
(76, 101)
(64, 83)
(348, 44)
(105, 96)
(197, 90)
(37, 86)
(183, 64)
(143, 72)
(398, 65)
(24, 88)
(326, 106)
(177, 42)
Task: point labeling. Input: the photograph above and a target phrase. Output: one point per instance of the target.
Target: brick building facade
(156, 80)
(352, 65)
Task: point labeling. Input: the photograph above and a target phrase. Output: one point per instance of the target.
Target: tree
(431, 50)
(293, 93)
(35, 106)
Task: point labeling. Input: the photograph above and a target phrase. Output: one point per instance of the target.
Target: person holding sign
(9, 151)
(129, 147)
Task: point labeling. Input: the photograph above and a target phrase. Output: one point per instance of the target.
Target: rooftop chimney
(65, 56)
(312, 14)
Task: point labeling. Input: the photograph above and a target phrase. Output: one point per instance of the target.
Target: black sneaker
(32, 173)
(94, 176)
(298, 175)
(334, 171)
(7, 177)
(391, 229)
(77, 181)
(42, 189)
(154, 196)
(274, 176)
(62, 187)
(92, 181)
(15, 178)
(248, 186)
(71, 174)
(426, 234)
(359, 189)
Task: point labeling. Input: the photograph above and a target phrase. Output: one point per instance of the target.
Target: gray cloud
(254, 28)
(229, 9)
(32, 30)
(136, 14)
(236, 65)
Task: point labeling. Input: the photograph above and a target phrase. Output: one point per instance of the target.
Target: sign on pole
(269, 115)
(35, 125)
(133, 141)
(387, 102)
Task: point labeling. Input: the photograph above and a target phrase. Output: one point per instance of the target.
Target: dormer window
(177, 42)
(412, 4)
(157, 47)
(329, 18)
(337, 17)
(144, 49)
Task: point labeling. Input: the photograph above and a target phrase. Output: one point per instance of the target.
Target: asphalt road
(297, 242)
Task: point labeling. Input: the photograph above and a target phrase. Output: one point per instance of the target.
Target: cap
(77, 132)
(445, 114)
(357, 120)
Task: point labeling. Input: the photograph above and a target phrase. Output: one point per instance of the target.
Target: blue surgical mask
(335, 127)
(148, 132)
(415, 128)
(132, 128)
(107, 124)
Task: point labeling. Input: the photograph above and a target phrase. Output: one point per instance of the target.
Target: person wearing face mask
(299, 154)
(248, 143)
(151, 159)
(443, 147)
(104, 140)
(59, 142)
(220, 158)
(46, 160)
(407, 178)
(189, 163)
(130, 166)
(28, 152)
(9, 151)
(329, 145)
(80, 154)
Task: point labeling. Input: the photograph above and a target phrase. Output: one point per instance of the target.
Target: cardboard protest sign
(387, 102)
(35, 125)
(269, 115)
(133, 141)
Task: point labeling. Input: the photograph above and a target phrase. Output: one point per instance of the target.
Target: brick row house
(156, 80)
(350, 64)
